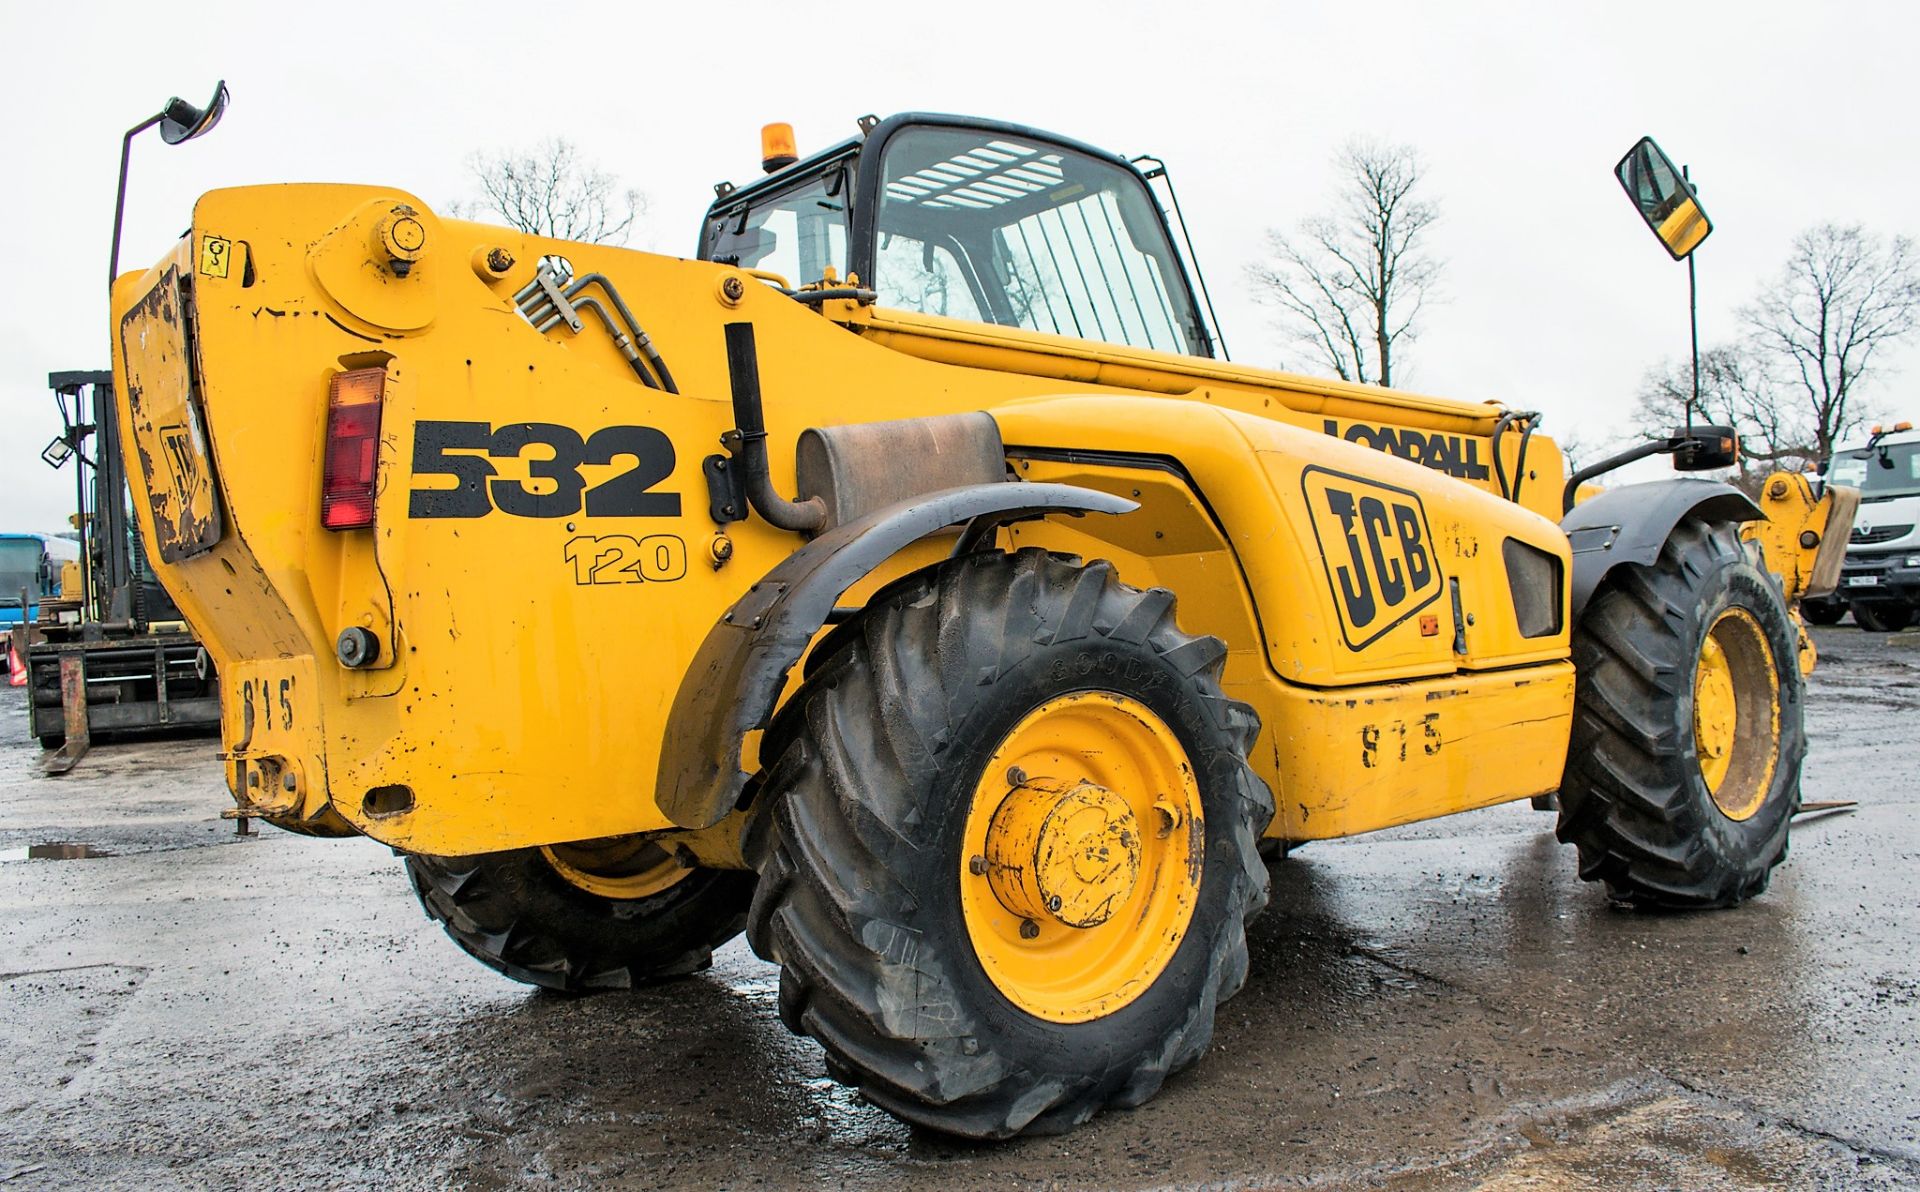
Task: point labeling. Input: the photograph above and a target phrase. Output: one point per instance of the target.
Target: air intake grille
(1879, 534)
(1539, 592)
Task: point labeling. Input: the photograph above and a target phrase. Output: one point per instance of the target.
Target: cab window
(798, 233)
(1888, 470)
(984, 225)
(925, 277)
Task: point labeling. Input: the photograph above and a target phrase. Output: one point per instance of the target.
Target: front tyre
(1013, 846)
(1684, 767)
(573, 918)
(1883, 618)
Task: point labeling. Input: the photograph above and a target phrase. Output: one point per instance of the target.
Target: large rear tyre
(1684, 768)
(1883, 618)
(1011, 848)
(578, 918)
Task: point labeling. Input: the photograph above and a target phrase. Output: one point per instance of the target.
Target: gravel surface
(1440, 1006)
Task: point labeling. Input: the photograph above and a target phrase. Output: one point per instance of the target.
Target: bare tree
(551, 190)
(1350, 285)
(1579, 447)
(1843, 297)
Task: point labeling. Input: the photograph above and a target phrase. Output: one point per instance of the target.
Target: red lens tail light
(353, 449)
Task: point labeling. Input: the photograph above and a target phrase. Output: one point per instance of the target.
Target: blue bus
(29, 570)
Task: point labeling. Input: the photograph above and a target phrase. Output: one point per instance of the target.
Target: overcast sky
(1558, 297)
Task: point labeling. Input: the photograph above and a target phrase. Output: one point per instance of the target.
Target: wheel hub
(1083, 853)
(1736, 714)
(1069, 852)
(1715, 711)
(622, 867)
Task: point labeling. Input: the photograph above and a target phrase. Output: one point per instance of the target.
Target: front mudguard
(1632, 524)
(741, 668)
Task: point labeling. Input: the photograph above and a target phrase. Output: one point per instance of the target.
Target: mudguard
(730, 688)
(1631, 524)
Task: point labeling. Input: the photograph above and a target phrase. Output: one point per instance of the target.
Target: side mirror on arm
(181, 121)
(1664, 198)
(1693, 448)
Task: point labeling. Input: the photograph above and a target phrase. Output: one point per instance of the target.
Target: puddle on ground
(53, 850)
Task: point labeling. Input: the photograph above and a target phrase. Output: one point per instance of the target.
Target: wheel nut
(1016, 776)
(1029, 929)
(977, 866)
(1168, 814)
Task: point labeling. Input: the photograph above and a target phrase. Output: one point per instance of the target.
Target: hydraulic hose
(816, 297)
(1520, 457)
(1500, 465)
(640, 338)
(620, 338)
(749, 420)
(1511, 489)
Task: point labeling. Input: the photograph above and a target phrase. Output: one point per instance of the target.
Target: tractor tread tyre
(514, 913)
(871, 769)
(1632, 799)
(1883, 618)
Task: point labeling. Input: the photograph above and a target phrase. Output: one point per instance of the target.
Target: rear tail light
(353, 449)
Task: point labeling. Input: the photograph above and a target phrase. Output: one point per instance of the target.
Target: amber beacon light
(776, 147)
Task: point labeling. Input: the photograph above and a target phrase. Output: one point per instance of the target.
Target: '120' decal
(555, 487)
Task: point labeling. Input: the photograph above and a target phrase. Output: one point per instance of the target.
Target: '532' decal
(556, 488)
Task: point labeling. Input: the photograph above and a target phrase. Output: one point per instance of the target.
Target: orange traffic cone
(16, 668)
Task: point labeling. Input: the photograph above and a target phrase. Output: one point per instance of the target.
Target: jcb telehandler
(906, 582)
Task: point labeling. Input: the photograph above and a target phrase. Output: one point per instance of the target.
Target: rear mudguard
(742, 666)
(1631, 524)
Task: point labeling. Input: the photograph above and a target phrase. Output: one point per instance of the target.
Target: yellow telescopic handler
(907, 582)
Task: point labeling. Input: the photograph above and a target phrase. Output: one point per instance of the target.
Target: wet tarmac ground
(1443, 1006)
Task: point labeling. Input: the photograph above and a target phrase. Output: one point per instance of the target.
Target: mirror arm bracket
(179, 121)
(120, 196)
(1685, 443)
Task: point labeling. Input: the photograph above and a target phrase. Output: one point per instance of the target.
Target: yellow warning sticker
(216, 256)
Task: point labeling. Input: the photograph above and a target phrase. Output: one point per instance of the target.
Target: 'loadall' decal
(554, 487)
(1377, 550)
(1456, 455)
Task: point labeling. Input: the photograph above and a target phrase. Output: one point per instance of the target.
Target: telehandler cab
(981, 733)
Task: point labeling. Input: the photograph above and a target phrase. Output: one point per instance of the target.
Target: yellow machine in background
(979, 733)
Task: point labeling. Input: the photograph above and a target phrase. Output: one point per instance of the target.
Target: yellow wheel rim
(623, 867)
(1082, 857)
(1736, 714)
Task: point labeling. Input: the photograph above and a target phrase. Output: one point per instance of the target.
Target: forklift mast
(115, 656)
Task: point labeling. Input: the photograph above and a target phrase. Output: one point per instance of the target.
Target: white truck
(1880, 583)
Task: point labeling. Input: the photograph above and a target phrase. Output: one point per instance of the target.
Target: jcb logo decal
(1377, 551)
(182, 461)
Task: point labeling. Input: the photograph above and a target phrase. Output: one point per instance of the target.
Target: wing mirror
(181, 121)
(1664, 198)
